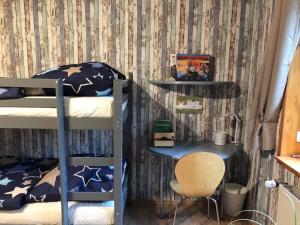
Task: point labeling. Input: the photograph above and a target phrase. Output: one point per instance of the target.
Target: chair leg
(170, 203)
(207, 207)
(175, 212)
(217, 209)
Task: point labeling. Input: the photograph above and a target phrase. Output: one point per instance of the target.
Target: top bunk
(43, 112)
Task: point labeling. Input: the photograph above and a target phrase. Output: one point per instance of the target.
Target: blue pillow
(84, 79)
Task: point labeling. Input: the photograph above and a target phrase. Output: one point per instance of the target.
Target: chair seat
(198, 175)
(176, 187)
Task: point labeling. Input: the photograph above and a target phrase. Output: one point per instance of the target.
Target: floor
(192, 213)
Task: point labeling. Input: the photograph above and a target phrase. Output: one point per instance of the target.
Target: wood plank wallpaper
(137, 36)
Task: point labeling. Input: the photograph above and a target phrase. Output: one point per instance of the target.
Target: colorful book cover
(194, 67)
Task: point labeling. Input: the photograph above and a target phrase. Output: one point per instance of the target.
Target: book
(163, 126)
(164, 136)
(194, 67)
(164, 143)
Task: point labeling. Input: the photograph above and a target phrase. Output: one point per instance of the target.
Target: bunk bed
(57, 113)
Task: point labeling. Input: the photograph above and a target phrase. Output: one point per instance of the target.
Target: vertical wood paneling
(11, 41)
(138, 36)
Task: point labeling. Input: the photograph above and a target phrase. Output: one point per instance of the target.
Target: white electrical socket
(298, 137)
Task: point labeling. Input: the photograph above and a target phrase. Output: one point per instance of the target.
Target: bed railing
(42, 102)
(29, 83)
(61, 123)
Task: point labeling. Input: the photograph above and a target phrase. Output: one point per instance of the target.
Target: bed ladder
(64, 159)
(62, 152)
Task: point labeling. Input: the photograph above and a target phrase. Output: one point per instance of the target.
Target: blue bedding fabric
(84, 79)
(18, 178)
(38, 181)
(9, 92)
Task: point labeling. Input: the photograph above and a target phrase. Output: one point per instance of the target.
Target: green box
(163, 126)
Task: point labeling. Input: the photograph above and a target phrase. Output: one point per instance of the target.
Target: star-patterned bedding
(80, 179)
(18, 178)
(84, 79)
(38, 181)
(9, 92)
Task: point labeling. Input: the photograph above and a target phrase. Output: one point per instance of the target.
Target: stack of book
(163, 134)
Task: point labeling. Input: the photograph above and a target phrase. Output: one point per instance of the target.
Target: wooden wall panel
(136, 36)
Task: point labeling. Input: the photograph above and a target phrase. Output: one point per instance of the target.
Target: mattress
(80, 213)
(74, 107)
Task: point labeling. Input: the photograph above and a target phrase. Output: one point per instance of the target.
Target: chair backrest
(199, 173)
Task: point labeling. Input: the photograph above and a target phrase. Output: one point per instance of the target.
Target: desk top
(180, 150)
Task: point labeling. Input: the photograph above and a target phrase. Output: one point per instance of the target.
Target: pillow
(48, 188)
(17, 179)
(9, 92)
(84, 79)
(80, 179)
(14, 187)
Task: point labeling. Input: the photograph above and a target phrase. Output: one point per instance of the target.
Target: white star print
(1, 203)
(2, 90)
(98, 75)
(90, 179)
(38, 200)
(81, 85)
(110, 176)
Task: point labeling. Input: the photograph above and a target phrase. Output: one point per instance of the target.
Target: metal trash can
(234, 198)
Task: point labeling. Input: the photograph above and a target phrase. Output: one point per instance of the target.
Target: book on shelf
(164, 136)
(164, 143)
(192, 67)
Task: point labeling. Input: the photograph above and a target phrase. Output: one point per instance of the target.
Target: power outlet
(298, 137)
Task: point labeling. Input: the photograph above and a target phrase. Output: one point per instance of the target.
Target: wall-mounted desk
(180, 150)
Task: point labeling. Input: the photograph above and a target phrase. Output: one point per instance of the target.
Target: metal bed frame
(62, 124)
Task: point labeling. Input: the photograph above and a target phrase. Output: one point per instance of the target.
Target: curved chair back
(199, 173)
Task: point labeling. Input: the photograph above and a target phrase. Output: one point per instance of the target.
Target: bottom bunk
(49, 213)
(30, 193)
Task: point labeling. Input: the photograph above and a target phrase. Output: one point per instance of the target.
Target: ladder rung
(91, 161)
(90, 196)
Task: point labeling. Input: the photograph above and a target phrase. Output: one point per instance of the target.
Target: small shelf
(291, 164)
(196, 83)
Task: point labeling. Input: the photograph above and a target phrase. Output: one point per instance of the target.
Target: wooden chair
(198, 175)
